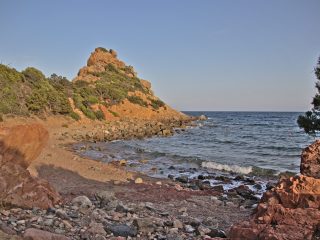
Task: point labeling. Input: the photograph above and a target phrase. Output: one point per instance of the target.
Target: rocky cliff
(291, 209)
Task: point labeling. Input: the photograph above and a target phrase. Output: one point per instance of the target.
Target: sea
(227, 143)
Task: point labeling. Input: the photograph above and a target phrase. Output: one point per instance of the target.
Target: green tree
(310, 121)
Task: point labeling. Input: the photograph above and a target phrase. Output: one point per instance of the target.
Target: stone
(189, 229)
(286, 209)
(96, 228)
(81, 202)
(61, 214)
(19, 146)
(182, 179)
(5, 236)
(36, 234)
(138, 180)
(146, 225)
(177, 224)
(105, 197)
(310, 159)
(202, 230)
(217, 233)
(202, 118)
(122, 230)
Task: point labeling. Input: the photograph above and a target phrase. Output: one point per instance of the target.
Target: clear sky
(199, 55)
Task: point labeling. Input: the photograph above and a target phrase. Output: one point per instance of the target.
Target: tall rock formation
(291, 209)
(121, 94)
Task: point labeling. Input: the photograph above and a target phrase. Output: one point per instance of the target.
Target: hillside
(106, 88)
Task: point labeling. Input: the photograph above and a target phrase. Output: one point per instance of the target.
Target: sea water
(254, 143)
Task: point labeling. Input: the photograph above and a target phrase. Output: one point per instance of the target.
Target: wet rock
(182, 179)
(202, 117)
(122, 230)
(223, 179)
(245, 192)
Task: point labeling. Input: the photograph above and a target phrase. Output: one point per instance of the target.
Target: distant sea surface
(254, 143)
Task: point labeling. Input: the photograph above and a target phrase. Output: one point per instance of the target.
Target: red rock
(36, 234)
(291, 209)
(310, 160)
(19, 146)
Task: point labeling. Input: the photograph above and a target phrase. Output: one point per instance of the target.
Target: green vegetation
(137, 100)
(30, 92)
(113, 113)
(156, 104)
(310, 121)
(75, 116)
(100, 115)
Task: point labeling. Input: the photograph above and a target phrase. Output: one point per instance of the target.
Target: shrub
(33, 75)
(100, 115)
(88, 112)
(75, 116)
(102, 49)
(114, 113)
(137, 100)
(156, 104)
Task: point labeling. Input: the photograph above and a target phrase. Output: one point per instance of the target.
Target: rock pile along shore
(290, 210)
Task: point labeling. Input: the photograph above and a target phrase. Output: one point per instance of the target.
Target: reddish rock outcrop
(291, 209)
(310, 160)
(98, 61)
(19, 146)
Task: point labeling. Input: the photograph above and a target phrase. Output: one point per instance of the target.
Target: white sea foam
(228, 168)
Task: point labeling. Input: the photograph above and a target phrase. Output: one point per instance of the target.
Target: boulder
(19, 146)
(310, 160)
(290, 210)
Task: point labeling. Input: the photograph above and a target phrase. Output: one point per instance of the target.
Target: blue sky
(199, 55)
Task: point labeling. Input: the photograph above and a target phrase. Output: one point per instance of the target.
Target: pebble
(138, 180)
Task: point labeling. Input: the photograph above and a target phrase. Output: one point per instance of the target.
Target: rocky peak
(99, 62)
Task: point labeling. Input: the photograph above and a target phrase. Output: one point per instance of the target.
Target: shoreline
(192, 213)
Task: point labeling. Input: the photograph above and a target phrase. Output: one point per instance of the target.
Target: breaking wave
(227, 168)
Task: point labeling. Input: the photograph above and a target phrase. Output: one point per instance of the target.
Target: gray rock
(105, 197)
(217, 233)
(82, 202)
(189, 229)
(177, 224)
(144, 225)
(62, 214)
(122, 230)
